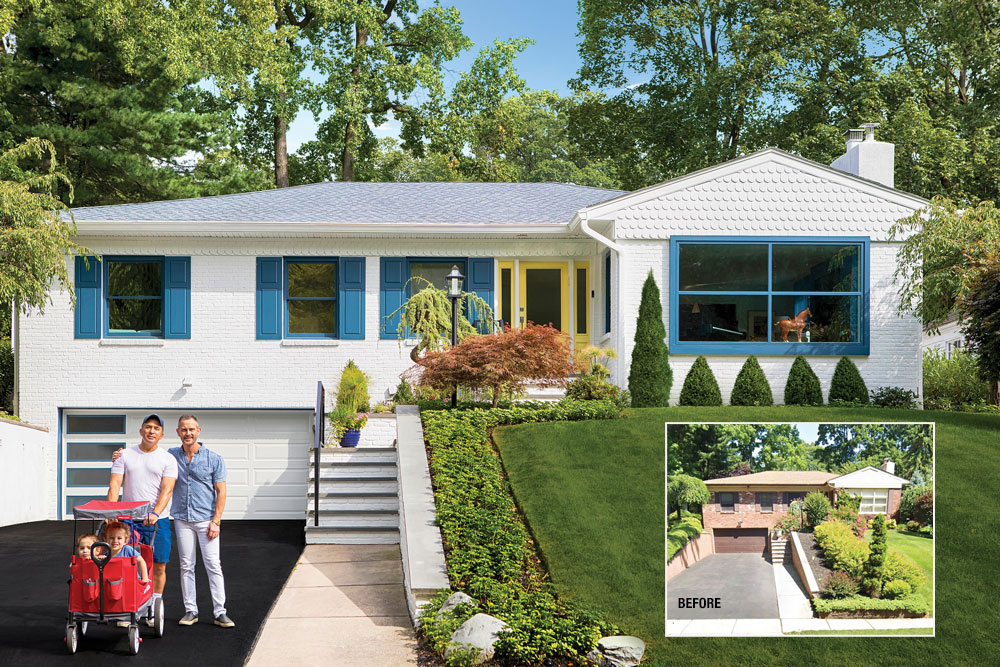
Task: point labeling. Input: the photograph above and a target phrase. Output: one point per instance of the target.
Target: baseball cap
(153, 416)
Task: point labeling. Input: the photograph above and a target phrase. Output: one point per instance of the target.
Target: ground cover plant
(488, 548)
(609, 554)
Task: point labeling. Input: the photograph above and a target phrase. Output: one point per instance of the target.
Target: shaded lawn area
(921, 549)
(593, 494)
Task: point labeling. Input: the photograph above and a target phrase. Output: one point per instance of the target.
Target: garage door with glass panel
(266, 454)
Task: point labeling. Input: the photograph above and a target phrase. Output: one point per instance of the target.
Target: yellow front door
(544, 294)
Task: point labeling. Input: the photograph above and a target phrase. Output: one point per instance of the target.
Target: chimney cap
(869, 129)
(854, 134)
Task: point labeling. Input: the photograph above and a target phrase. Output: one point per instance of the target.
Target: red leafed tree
(502, 362)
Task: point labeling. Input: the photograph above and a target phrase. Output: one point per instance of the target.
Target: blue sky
(547, 64)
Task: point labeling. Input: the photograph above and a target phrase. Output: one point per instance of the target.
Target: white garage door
(267, 454)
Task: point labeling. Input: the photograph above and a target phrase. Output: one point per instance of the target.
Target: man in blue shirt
(198, 503)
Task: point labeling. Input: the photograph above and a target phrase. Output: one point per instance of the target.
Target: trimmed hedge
(489, 551)
(751, 387)
(847, 385)
(912, 604)
(700, 386)
(803, 386)
(681, 533)
(843, 550)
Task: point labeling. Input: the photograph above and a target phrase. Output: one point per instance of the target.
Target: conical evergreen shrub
(802, 387)
(700, 386)
(649, 377)
(751, 386)
(847, 384)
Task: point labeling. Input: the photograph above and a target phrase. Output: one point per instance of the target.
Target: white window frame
(873, 501)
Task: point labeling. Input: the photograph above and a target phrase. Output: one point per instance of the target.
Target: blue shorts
(161, 545)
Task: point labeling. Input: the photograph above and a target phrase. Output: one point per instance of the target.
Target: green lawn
(593, 495)
(921, 549)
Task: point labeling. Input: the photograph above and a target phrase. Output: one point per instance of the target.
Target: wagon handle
(100, 561)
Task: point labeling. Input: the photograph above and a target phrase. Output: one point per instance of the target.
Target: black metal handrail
(318, 439)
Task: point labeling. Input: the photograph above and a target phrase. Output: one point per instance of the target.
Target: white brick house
(192, 309)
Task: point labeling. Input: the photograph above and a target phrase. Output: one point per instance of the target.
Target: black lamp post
(454, 279)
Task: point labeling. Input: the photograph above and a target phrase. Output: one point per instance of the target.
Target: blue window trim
(105, 268)
(860, 348)
(334, 300)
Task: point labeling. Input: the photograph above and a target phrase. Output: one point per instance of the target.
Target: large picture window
(873, 501)
(769, 296)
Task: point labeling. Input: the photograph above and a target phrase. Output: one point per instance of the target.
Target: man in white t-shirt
(149, 473)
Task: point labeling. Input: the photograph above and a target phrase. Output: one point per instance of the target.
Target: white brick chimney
(867, 158)
(889, 467)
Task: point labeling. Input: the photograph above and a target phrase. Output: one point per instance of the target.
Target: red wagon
(105, 589)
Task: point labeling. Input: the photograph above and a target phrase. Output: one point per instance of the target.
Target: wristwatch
(217, 522)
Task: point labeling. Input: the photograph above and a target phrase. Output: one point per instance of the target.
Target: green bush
(352, 389)
(680, 533)
(650, 377)
(594, 387)
(926, 530)
(840, 585)
(817, 508)
(847, 385)
(842, 548)
(912, 604)
(751, 387)
(6, 374)
(908, 502)
(404, 394)
(913, 526)
(923, 509)
(895, 589)
(802, 387)
(894, 397)
(952, 382)
(874, 574)
(898, 566)
(490, 554)
(700, 386)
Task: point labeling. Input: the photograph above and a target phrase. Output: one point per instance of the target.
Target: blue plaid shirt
(194, 492)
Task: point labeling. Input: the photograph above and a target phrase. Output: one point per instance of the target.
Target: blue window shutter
(177, 297)
(87, 317)
(351, 298)
(393, 276)
(481, 282)
(268, 298)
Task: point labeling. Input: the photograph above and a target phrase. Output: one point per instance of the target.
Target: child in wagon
(116, 533)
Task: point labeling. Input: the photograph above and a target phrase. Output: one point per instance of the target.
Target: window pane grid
(310, 298)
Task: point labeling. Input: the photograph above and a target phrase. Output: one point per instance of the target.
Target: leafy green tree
(982, 331)
(684, 490)
(817, 507)
(803, 386)
(846, 443)
(847, 384)
(700, 386)
(751, 386)
(705, 451)
(872, 581)
(650, 376)
(779, 447)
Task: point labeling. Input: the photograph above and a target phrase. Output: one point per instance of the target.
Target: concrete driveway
(724, 586)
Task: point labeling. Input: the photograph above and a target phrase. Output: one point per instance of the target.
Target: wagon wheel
(71, 637)
(158, 617)
(83, 628)
(133, 639)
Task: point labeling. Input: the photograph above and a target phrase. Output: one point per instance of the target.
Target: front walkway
(793, 602)
(342, 606)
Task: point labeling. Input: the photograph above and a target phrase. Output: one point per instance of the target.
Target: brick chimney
(867, 158)
(889, 467)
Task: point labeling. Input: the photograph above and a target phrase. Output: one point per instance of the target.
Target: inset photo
(799, 529)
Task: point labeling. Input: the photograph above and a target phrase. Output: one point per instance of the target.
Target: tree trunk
(347, 163)
(995, 392)
(280, 150)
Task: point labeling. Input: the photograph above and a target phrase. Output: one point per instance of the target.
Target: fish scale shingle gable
(402, 203)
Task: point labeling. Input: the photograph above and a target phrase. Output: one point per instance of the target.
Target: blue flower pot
(351, 438)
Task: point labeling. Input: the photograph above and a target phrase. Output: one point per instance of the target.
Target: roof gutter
(211, 228)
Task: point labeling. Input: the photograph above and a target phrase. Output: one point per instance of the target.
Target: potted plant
(351, 413)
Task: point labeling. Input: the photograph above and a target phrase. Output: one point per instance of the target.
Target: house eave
(315, 229)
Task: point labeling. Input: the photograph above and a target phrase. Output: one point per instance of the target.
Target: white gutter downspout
(616, 249)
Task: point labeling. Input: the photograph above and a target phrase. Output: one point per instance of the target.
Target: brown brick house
(744, 509)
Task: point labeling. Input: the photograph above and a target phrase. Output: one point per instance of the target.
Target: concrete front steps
(358, 497)
(779, 552)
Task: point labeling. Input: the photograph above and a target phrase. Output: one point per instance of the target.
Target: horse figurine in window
(796, 324)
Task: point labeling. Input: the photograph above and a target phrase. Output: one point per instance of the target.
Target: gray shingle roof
(414, 203)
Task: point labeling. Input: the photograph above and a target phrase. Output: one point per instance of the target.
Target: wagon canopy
(107, 509)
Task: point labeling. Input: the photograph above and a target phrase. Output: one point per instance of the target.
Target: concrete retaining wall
(802, 567)
(22, 472)
(691, 553)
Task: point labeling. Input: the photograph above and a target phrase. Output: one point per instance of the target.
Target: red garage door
(740, 540)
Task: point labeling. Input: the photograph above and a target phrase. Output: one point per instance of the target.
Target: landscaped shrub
(846, 507)
(951, 382)
(898, 566)
(913, 526)
(890, 524)
(352, 389)
(594, 387)
(894, 397)
(874, 574)
(751, 387)
(923, 509)
(847, 385)
(926, 530)
(680, 533)
(895, 589)
(908, 501)
(860, 526)
(840, 585)
(911, 605)
(650, 377)
(843, 550)
(490, 555)
(802, 387)
(684, 490)
(817, 508)
(700, 386)
(404, 394)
